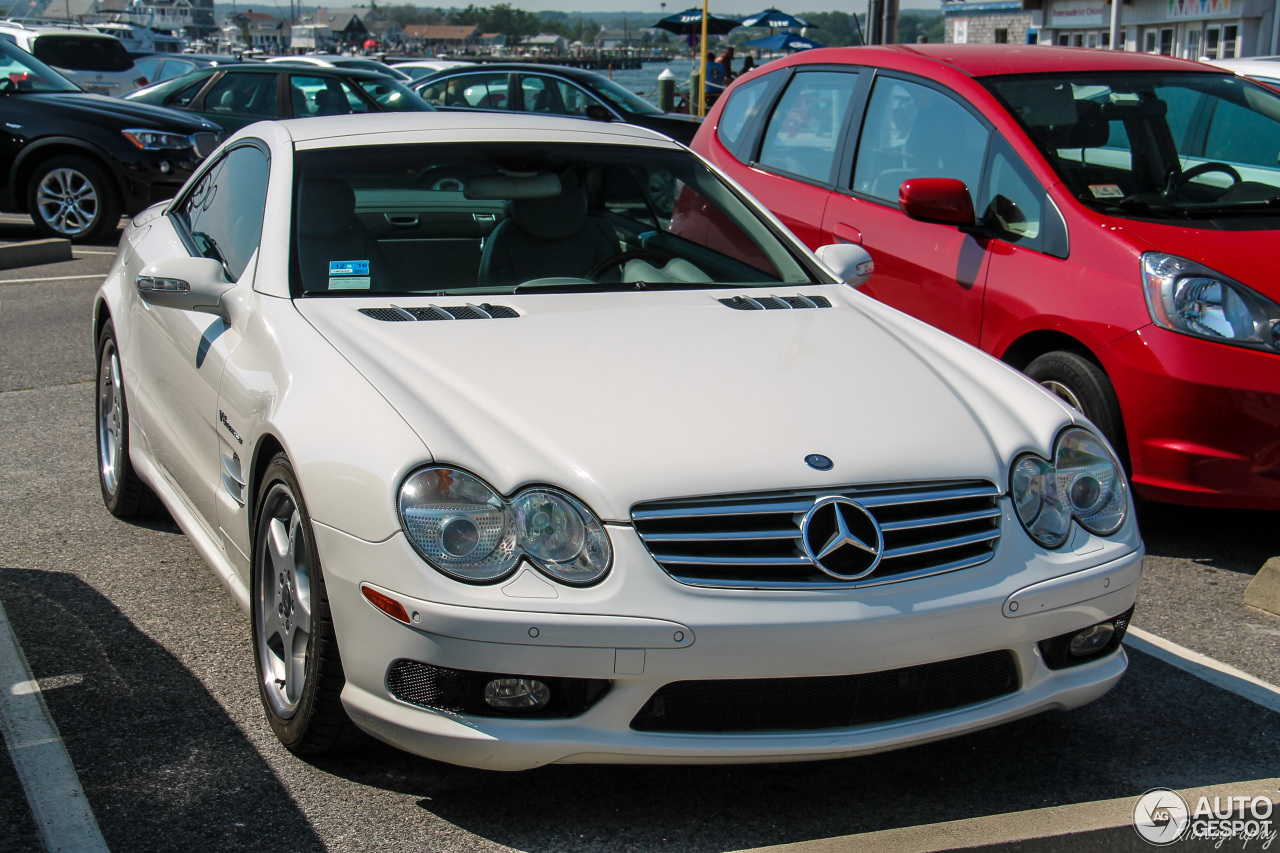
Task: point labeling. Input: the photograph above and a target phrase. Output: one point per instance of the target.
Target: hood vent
(484, 311)
(772, 303)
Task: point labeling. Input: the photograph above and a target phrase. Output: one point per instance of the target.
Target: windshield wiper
(582, 285)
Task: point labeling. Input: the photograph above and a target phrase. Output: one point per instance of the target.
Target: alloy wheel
(283, 612)
(68, 201)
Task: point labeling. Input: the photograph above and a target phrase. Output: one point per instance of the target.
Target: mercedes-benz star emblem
(842, 538)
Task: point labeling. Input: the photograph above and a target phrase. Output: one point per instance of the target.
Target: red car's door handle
(846, 233)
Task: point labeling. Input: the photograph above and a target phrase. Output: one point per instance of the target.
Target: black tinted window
(223, 213)
(83, 53)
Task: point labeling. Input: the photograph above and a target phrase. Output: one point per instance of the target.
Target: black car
(77, 161)
(165, 66)
(550, 89)
(238, 95)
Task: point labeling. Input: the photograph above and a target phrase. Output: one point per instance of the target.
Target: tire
(295, 649)
(1081, 384)
(123, 491)
(72, 197)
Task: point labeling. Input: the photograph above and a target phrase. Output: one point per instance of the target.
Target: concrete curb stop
(1263, 592)
(34, 252)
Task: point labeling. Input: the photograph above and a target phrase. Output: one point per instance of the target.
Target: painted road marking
(1205, 668)
(58, 805)
(51, 278)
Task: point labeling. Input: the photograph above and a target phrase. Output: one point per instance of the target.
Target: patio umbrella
(783, 41)
(689, 23)
(775, 19)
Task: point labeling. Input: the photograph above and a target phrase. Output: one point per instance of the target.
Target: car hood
(112, 111)
(1237, 247)
(622, 398)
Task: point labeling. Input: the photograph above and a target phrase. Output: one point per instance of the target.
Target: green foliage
(834, 29)
(913, 24)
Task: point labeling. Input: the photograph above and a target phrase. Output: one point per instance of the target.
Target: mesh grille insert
(462, 691)
(827, 702)
(754, 541)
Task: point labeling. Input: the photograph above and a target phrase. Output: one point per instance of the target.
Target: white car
(509, 468)
(336, 61)
(97, 62)
(419, 68)
(1265, 69)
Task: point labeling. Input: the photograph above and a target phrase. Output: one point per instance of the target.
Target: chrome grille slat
(754, 541)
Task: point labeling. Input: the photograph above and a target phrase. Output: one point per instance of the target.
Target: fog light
(1091, 640)
(165, 167)
(519, 693)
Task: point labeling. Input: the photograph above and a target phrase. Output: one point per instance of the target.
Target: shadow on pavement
(1229, 539)
(196, 783)
(1132, 740)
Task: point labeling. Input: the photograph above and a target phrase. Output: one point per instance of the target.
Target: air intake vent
(754, 541)
(484, 311)
(774, 303)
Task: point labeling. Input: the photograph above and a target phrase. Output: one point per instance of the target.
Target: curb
(1263, 591)
(34, 252)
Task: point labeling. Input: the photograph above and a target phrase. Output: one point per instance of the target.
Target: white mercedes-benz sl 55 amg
(526, 440)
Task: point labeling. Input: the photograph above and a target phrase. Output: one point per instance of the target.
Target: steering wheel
(441, 178)
(1178, 180)
(646, 255)
(7, 84)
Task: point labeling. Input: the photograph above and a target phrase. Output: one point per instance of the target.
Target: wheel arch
(266, 448)
(1032, 345)
(38, 152)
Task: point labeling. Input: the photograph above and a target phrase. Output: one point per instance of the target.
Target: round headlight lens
(458, 524)
(561, 536)
(1084, 482)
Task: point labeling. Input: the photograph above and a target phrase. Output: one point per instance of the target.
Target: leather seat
(547, 237)
(328, 230)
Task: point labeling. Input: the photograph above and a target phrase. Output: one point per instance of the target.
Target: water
(644, 81)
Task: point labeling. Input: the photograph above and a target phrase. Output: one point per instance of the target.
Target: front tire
(299, 670)
(1083, 385)
(73, 198)
(123, 491)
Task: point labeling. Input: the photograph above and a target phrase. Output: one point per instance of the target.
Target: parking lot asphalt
(145, 664)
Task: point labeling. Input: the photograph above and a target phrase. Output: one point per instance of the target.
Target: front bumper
(711, 634)
(1203, 419)
(151, 176)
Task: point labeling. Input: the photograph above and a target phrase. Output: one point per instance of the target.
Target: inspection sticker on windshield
(1098, 190)
(349, 275)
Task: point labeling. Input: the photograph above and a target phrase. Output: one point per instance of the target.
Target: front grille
(773, 303)
(461, 691)
(1056, 651)
(205, 143)
(754, 541)
(827, 702)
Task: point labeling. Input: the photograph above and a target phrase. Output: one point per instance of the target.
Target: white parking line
(1205, 668)
(58, 805)
(51, 278)
(79, 251)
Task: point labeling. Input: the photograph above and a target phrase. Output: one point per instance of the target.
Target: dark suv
(76, 161)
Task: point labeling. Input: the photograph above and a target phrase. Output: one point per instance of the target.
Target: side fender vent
(775, 303)
(484, 311)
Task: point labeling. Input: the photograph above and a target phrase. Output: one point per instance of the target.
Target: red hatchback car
(1107, 222)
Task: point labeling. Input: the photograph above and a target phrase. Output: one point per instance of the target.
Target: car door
(912, 129)
(180, 354)
(795, 153)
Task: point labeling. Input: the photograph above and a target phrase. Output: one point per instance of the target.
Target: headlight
(1084, 482)
(154, 140)
(468, 531)
(1184, 296)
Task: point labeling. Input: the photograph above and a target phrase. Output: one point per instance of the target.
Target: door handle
(845, 233)
(407, 220)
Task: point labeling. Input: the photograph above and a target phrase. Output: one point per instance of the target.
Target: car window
(391, 95)
(805, 127)
(244, 94)
(539, 97)
(1012, 202)
(482, 91)
(222, 213)
(743, 106)
(914, 131)
(22, 72)
(1240, 134)
(149, 69)
(324, 96)
(82, 53)
(175, 68)
(575, 100)
(182, 98)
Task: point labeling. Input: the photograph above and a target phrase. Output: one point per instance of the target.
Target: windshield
(371, 65)
(22, 72)
(83, 53)
(623, 99)
(497, 218)
(1179, 145)
(392, 96)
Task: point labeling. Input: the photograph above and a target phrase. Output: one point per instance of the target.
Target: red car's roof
(981, 60)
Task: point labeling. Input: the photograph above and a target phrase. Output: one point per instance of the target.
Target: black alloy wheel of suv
(75, 162)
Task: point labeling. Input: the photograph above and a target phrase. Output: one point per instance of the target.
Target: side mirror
(944, 200)
(596, 112)
(849, 261)
(187, 284)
